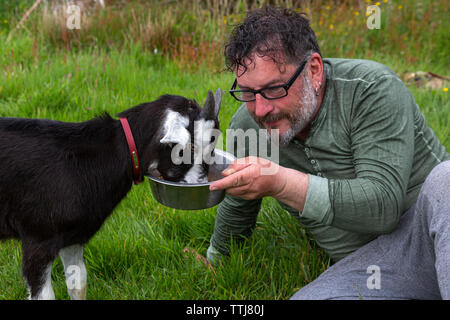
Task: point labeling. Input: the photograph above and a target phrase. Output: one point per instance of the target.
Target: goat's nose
(262, 106)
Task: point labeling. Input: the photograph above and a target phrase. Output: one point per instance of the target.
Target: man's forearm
(295, 187)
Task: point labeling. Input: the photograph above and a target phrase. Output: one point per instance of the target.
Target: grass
(111, 65)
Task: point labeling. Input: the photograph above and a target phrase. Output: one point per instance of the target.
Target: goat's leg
(37, 261)
(75, 271)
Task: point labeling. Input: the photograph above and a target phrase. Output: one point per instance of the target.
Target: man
(355, 152)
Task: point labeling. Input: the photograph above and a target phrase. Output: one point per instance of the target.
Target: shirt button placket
(308, 152)
(313, 162)
(315, 165)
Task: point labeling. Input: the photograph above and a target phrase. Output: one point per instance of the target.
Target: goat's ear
(175, 130)
(217, 102)
(211, 108)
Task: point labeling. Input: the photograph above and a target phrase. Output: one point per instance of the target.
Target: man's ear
(174, 129)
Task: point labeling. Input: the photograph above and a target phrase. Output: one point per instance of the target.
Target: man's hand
(253, 178)
(245, 178)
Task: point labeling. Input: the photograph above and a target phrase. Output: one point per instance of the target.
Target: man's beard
(299, 119)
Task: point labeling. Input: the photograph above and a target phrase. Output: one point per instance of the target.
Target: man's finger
(230, 181)
(223, 183)
(236, 166)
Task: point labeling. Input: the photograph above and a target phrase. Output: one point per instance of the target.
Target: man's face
(290, 114)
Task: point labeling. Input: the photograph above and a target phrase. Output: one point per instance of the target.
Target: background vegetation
(134, 51)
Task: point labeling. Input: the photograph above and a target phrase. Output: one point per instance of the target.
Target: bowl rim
(180, 184)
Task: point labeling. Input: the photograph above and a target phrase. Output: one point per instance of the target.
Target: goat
(59, 181)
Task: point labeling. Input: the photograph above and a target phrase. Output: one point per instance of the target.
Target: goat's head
(175, 136)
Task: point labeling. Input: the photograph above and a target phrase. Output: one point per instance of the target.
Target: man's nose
(262, 106)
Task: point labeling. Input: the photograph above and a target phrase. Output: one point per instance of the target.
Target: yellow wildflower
(445, 89)
(356, 13)
(377, 4)
(400, 7)
(331, 27)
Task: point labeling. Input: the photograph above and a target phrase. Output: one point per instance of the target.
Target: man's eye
(274, 92)
(247, 95)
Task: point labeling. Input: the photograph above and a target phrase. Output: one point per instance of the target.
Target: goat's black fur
(60, 181)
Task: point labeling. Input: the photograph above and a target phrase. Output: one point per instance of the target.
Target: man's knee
(439, 179)
(318, 292)
(331, 285)
(434, 197)
(311, 292)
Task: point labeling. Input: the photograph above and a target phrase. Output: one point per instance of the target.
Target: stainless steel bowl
(192, 196)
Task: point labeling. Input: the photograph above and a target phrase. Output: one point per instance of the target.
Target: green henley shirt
(367, 155)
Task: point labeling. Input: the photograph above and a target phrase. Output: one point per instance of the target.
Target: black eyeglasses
(270, 93)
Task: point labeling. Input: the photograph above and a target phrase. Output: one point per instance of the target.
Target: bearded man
(358, 165)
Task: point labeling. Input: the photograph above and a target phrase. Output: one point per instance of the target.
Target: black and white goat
(59, 181)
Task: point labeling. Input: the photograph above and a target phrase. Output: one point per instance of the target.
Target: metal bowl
(192, 196)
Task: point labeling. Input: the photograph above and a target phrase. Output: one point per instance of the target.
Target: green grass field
(139, 252)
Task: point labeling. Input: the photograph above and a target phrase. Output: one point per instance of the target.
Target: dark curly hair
(281, 34)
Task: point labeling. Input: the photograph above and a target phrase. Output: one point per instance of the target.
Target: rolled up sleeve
(318, 205)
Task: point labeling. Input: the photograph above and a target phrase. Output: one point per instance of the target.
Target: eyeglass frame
(285, 86)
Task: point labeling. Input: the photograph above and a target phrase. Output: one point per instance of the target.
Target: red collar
(133, 150)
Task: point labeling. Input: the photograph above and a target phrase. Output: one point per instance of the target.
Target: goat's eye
(212, 139)
(181, 153)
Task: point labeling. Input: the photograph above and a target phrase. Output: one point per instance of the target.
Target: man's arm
(235, 218)
(382, 144)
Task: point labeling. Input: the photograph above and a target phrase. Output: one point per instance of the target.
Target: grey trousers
(412, 262)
